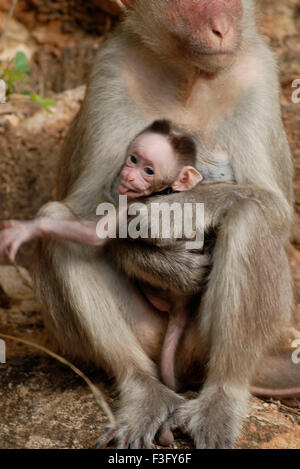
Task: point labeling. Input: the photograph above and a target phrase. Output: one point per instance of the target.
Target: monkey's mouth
(198, 49)
(125, 189)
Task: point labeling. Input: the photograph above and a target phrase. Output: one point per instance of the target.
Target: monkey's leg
(92, 311)
(246, 305)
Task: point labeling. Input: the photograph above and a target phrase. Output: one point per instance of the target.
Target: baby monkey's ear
(188, 178)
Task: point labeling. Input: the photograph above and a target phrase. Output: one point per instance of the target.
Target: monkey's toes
(107, 437)
(213, 420)
(165, 437)
(120, 437)
(177, 419)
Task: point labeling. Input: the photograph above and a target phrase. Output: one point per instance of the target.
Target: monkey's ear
(188, 178)
(128, 3)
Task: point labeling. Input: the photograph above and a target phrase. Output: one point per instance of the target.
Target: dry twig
(96, 392)
(9, 16)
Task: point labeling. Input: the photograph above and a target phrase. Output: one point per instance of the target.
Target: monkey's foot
(144, 406)
(118, 437)
(213, 419)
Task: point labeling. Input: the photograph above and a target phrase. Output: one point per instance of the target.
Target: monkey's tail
(176, 325)
(276, 393)
(278, 375)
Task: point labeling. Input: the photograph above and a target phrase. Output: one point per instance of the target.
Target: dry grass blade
(96, 392)
(9, 16)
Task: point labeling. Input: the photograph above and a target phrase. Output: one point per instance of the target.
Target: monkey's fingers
(8, 223)
(13, 251)
(6, 239)
(119, 438)
(137, 445)
(113, 436)
(175, 420)
(107, 437)
(165, 437)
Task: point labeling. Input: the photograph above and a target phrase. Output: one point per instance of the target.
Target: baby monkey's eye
(149, 171)
(133, 159)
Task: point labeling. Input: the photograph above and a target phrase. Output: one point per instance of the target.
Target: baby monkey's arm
(16, 233)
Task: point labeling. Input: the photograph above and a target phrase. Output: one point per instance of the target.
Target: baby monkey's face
(151, 166)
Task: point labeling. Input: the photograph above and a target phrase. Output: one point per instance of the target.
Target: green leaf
(19, 72)
(21, 63)
(44, 102)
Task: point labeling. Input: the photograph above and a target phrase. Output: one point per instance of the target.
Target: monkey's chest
(199, 110)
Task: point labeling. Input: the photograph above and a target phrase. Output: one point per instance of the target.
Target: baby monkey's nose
(130, 176)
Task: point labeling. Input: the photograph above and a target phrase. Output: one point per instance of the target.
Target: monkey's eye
(133, 159)
(149, 171)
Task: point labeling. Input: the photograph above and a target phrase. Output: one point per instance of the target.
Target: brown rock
(290, 440)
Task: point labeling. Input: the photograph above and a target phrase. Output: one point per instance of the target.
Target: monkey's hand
(15, 234)
(144, 405)
(213, 419)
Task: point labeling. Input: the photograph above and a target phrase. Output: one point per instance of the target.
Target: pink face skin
(208, 31)
(212, 23)
(150, 164)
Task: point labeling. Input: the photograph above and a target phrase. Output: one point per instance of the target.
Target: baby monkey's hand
(16, 233)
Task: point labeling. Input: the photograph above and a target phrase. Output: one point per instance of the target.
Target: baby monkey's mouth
(125, 188)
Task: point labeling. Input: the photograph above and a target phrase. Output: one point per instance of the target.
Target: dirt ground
(44, 404)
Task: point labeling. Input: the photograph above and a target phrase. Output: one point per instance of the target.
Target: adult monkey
(203, 64)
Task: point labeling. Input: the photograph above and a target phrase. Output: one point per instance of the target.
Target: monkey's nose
(129, 176)
(220, 27)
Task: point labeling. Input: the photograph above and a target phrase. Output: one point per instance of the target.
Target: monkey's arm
(77, 231)
(217, 200)
(16, 233)
(175, 266)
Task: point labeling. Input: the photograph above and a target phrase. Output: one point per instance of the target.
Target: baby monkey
(161, 158)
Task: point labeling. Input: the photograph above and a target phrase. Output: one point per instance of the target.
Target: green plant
(16, 71)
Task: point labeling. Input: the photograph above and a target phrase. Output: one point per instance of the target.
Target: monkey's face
(206, 33)
(150, 166)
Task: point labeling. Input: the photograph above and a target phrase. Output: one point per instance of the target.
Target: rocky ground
(44, 404)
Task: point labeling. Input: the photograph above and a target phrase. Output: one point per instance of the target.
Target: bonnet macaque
(162, 158)
(204, 65)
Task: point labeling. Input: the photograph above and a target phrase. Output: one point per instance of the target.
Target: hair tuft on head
(183, 143)
(162, 126)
